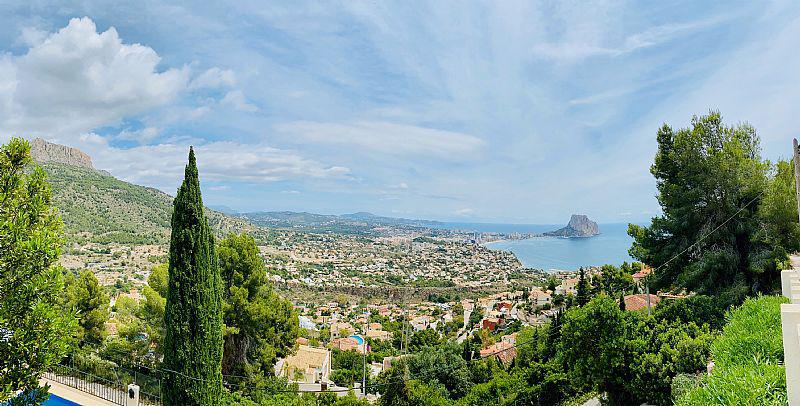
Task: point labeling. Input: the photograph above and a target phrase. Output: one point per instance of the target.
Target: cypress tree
(622, 301)
(193, 313)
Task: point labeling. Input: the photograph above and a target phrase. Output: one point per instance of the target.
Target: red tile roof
(639, 302)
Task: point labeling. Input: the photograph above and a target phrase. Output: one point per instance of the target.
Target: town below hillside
(349, 278)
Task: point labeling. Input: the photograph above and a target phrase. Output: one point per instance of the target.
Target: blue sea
(553, 253)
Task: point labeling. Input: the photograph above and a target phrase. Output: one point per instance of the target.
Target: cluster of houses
(350, 325)
(344, 261)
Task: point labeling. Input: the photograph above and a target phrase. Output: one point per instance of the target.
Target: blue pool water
(359, 339)
(54, 400)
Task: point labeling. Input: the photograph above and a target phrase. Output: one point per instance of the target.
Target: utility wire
(703, 237)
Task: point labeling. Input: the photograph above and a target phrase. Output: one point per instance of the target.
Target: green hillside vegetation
(100, 208)
(748, 357)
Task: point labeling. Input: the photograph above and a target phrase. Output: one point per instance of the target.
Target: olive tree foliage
(34, 330)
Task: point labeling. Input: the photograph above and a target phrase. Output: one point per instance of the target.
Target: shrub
(747, 358)
(752, 334)
(740, 385)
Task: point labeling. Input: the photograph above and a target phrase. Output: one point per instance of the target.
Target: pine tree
(193, 313)
(583, 289)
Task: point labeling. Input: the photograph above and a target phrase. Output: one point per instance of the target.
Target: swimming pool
(54, 400)
(359, 339)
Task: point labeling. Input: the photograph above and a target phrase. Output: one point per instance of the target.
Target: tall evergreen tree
(582, 289)
(193, 313)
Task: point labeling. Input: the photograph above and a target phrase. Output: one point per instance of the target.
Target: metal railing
(113, 392)
(149, 389)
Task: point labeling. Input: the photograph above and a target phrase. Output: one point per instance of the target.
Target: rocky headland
(579, 226)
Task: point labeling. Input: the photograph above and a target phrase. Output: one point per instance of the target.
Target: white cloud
(32, 36)
(162, 165)
(236, 99)
(77, 79)
(144, 135)
(389, 138)
(290, 192)
(464, 212)
(214, 78)
(591, 44)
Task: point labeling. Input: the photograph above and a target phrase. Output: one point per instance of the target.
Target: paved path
(74, 395)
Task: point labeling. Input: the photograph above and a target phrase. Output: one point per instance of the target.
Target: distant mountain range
(361, 223)
(98, 207)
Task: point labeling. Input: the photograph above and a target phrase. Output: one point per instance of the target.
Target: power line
(703, 237)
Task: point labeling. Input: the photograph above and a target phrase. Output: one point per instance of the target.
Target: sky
(490, 111)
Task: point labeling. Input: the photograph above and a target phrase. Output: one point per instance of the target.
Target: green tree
(779, 231)
(475, 316)
(423, 338)
(260, 326)
(662, 351)
(193, 313)
(698, 309)
(34, 330)
(594, 345)
(502, 389)
(428, 366)
(582, 294)
(151, 312)
(612, 280)
(706, 174)
(84, 296)
(397, 389)
(348, 367)
(159, 279)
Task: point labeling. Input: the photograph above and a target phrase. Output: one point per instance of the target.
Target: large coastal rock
(579, 226)
(43, 152)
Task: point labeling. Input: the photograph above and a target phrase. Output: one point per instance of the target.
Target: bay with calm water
(551, 253)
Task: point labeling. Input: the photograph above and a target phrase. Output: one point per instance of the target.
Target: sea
(556, 253)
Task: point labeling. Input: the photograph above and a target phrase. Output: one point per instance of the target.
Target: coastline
(551, 253)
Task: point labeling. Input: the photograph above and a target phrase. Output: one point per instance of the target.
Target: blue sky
(520, 112)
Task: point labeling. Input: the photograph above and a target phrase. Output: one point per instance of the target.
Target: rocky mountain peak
(579, 226)
(43, 151)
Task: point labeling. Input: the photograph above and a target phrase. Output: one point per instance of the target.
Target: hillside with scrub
(97, 207)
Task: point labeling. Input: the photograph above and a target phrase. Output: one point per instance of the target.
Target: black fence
(112, 376)
(149, 389)
(111, 391)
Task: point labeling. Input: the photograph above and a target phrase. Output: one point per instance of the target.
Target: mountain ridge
(47, 152)
(97, 207)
